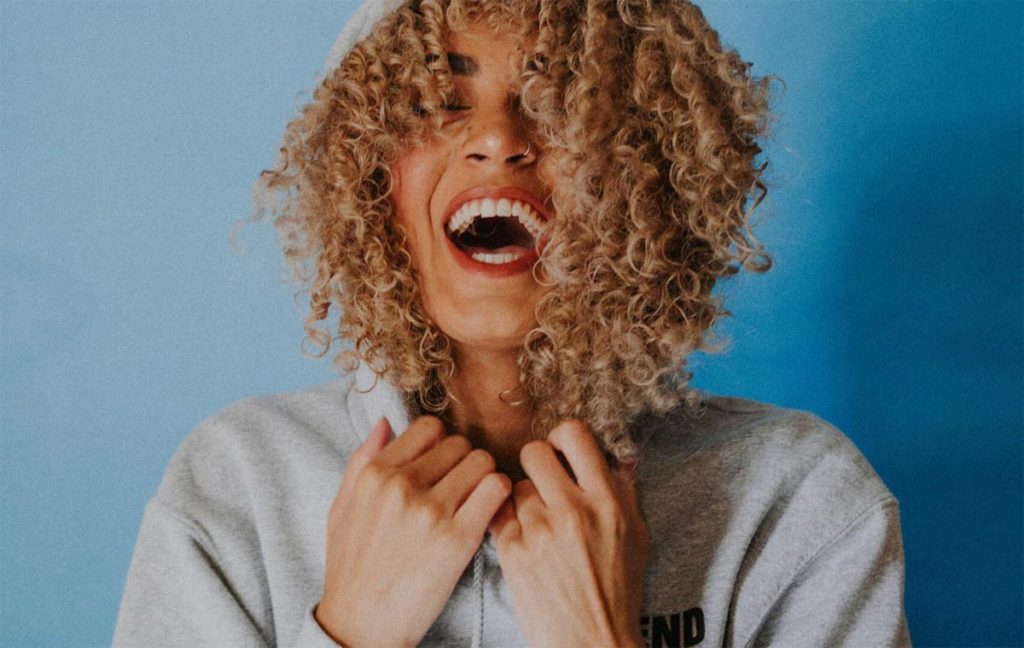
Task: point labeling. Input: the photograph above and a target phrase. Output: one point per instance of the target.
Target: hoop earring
(507, 400)
(527, 151)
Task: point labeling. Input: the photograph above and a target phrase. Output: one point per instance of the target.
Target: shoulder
(764, 462)
(743, 499)
(257, 440)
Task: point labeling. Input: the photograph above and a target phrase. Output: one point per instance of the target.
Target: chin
(491, 331)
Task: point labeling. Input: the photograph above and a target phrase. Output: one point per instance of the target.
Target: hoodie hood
(378, 397)
(358, 27)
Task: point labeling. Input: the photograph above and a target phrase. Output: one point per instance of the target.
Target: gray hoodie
(767, 528)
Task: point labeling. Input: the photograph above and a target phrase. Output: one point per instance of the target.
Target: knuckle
(403, 483)
(574, 522)
(400, 488)
(545, 532)
(373, 475)
(430, 513)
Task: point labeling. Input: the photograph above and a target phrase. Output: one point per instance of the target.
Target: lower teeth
(496, 259)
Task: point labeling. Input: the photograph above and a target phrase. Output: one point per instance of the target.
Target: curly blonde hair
(652, 128)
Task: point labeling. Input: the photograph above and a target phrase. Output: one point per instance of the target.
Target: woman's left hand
(573, 553)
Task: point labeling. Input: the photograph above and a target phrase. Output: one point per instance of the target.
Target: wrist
(328, 628)
(332, 629)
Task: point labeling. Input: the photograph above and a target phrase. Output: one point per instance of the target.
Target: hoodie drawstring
(478, 591)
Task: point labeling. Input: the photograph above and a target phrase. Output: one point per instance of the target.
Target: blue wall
(131, 133)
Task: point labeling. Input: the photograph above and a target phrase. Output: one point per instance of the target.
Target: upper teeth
(489, 207)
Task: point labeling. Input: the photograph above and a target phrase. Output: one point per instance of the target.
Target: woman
(520, 210)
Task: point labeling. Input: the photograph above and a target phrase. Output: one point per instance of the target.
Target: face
(472, 204)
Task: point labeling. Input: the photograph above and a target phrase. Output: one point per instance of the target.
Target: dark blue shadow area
(895, 309)
(934, 290)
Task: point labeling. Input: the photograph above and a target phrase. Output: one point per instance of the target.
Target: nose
(498, 138)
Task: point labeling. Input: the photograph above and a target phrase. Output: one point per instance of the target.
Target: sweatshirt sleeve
(849, 594)
(178, 595)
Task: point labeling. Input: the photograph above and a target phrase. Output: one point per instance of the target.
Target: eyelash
(448, 108)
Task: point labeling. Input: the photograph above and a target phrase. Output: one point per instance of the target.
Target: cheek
(415, 175)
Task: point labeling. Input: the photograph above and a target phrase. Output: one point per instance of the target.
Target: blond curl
(651, 127)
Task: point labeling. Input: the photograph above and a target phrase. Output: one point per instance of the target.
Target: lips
(474, 210)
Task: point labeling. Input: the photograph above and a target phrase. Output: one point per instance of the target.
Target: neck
(491, 422)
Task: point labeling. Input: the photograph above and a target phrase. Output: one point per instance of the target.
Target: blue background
(131, 133)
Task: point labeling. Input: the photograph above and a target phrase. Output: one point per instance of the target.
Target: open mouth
(495, 231)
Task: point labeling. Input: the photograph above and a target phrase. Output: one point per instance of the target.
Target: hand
(573, 554)
(409, 515)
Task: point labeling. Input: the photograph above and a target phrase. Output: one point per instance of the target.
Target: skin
(412, 510)
(486, 318)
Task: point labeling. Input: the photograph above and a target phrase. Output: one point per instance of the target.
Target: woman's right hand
(409, 515)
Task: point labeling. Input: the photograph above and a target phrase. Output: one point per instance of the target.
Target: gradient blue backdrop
(131, 133)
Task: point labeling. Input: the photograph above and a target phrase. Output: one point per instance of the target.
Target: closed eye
(420, 111)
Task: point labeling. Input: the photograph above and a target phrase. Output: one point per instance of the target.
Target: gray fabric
(768, 528)
(357, 28)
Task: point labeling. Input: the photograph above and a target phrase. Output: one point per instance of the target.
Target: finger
(530, 509)
(504, 525)
(624, 475)
(481, 505)
(541, 465)
(379, 437)
(575, 441)
(435, 463)
(455, 487)
(421, 435)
